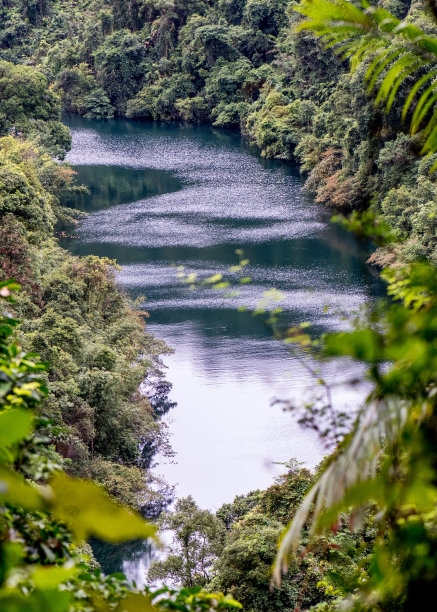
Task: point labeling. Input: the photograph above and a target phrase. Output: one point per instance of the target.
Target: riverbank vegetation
(73, 315)
(361, 532)
(233, 549)
(47, 516)
(98, 423)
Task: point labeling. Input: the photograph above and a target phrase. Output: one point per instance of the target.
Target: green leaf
(215, 278)
(89, 511)
(15, 425)
(135, 603)
(414, 90)
(53, 601)
(17, 490)
(362, 344)
(52, 577)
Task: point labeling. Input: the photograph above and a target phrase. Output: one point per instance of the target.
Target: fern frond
(415, 89)
(425, 102)
(368, 34)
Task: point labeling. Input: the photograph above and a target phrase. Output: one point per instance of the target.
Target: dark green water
(172, 194)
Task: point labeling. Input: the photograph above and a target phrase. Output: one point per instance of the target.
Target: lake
(168, 195)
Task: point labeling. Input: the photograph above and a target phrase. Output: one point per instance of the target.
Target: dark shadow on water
(110, 186)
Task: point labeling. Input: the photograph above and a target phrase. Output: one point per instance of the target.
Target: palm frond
(349, 479)
(394, 49)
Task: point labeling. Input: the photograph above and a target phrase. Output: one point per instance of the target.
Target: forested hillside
(238, 64)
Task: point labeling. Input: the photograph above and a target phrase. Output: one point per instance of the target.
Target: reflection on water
(107, 188)
(189, 196)
(129, 558)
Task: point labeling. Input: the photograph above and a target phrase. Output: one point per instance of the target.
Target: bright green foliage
(244, 566)
(277, 126)
(242, 504)
(254, 525)
(198, 540)
(20, 377)
(91, 338)
(21, 389)
(88, 512)
(21, 192)
(24, 95)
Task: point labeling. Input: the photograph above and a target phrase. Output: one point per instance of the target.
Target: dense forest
(360, 532)
(238, 64)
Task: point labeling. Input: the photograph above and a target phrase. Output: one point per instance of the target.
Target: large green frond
(397, 51)
(346, 480)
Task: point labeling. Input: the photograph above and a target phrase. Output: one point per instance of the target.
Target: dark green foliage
(119, 60)
(389, 458)
(30, 108)
(235, 511)
(24, 95)
(198, 538)
(281, 499)
(254, 524)
(91, 338)
(35, 10)
(244, 566)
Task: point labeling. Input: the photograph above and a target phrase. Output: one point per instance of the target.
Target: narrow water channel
(166, 195)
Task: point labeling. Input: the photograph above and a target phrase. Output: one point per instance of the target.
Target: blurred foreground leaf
(89, 511)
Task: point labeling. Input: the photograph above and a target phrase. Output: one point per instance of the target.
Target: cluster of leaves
(28, 107)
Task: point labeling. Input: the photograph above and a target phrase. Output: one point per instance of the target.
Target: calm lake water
(166, 195)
